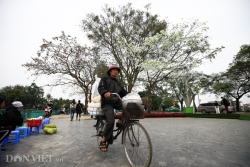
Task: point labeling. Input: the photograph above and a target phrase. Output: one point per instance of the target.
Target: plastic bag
(95, 92)
(96, 99)
(131, 96)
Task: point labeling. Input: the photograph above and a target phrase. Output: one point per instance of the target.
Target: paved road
(177, 142)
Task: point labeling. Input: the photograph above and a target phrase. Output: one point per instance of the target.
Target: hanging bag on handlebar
(132, 106)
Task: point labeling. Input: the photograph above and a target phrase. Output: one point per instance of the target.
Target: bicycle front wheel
(137, 145)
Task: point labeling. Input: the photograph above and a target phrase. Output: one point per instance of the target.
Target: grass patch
(244, 117)
(221, 116)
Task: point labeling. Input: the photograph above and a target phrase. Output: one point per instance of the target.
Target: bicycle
(135, 139)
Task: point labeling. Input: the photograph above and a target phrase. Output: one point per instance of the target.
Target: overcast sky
(24, 23)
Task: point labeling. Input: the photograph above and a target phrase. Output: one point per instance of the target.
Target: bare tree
(67, 62)
(235, 81)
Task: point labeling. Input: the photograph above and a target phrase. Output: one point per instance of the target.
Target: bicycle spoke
(137, 145)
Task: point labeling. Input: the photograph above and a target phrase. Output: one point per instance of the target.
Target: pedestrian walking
(50, 105)
(79, 110)
(226, 103)
(72, 109)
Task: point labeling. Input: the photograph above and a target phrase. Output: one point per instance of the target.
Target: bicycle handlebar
(117, 95)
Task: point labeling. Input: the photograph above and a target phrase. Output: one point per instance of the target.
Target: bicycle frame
(118, 130)
(124, 125)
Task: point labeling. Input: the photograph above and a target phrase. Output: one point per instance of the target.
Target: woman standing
(72, 109)
(216, 106)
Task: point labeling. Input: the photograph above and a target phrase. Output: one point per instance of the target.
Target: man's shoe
(94, 125)
(118, 125)
(110, 141)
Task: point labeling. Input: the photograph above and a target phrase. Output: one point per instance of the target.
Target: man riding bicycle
(110, 102)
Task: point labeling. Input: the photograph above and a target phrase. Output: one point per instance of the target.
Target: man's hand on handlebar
(107, 95)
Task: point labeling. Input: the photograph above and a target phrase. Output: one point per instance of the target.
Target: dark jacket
(109, 84)
(79, 108)
(11, 117)
(225, 102)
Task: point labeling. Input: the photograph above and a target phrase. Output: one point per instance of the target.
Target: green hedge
(35, 113)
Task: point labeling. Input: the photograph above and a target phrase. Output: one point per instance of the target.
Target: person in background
(4, 130)
(216, 106)
(79, 109)
(72, 109)
(50, 104)
(226, 103)
(10, 118)
(12, 115)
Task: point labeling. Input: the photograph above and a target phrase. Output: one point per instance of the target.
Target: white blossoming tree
(186, 86)
(121, 33)
(180, 48)
(147, 49)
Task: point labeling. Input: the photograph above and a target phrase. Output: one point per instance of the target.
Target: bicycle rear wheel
(99, 131)
(137, 145)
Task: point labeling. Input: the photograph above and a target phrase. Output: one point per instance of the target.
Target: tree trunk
(130, 86)
(237, 104)
(181, 101)
(86, 92)
(149, 100)
(187, 98)
(195, 108)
